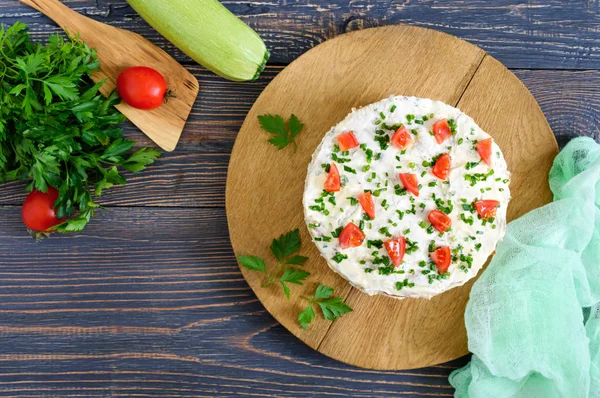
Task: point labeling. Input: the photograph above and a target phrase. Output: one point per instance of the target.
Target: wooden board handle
(57, 11)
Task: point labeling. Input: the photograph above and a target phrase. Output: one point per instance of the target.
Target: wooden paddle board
(119, 49)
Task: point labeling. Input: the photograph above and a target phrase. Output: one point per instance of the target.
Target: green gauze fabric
(533, 318)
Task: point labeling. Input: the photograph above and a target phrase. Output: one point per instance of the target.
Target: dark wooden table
(149, 300)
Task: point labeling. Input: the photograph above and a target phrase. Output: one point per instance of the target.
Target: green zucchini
(208, 33)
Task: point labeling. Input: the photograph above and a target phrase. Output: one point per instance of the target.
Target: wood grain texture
(559, 34)
(503, 106)
(570, 100)
(166, 312)
(235, 347)
(321, 87)
(194, 175)
(120, 49)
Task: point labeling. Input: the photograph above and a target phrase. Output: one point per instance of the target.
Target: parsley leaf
(331, 307)
(306, 317)
(292, 275)
(294, 125)
(323, 292)
(283, 248)
(286, 245)
(296, 260)
(276, 126)
(334, 308)
(283, 134)
(253, 263)
(140, 159)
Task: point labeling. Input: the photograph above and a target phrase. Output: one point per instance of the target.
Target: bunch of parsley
(56, 129)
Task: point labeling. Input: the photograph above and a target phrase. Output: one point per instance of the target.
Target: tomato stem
(168, 94)
(37, 235)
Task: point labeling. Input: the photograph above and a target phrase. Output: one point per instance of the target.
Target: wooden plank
(185, 178)
(157, 306)
(194, 175)
(570, 101)
(548, 34)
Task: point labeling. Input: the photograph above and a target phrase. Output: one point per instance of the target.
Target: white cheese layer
(399, 213)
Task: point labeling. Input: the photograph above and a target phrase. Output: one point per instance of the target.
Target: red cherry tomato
(410, 183)
(486, 208)
(142, 87)
(332, 183)
(351, 236)
(441, 258)
(439, 220)
(441, 131)
(347, 141)
(38, 210)
(484, 148)
(396, 249)
(441, 168)
(367, 203)
(402, 139)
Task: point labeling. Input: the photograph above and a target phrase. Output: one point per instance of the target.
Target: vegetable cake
(407, 197)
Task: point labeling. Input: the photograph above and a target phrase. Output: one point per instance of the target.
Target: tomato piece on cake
(441, 168)
(441, 131)
(484, 149)
(333, 182)
(347, 141)
(440, 221)
(410, 183)
(396, 249)
(402, 139)
(367, 203)
(441, 257)
(486, 208)
(351, 236)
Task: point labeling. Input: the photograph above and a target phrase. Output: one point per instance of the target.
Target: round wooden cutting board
(265, 186)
